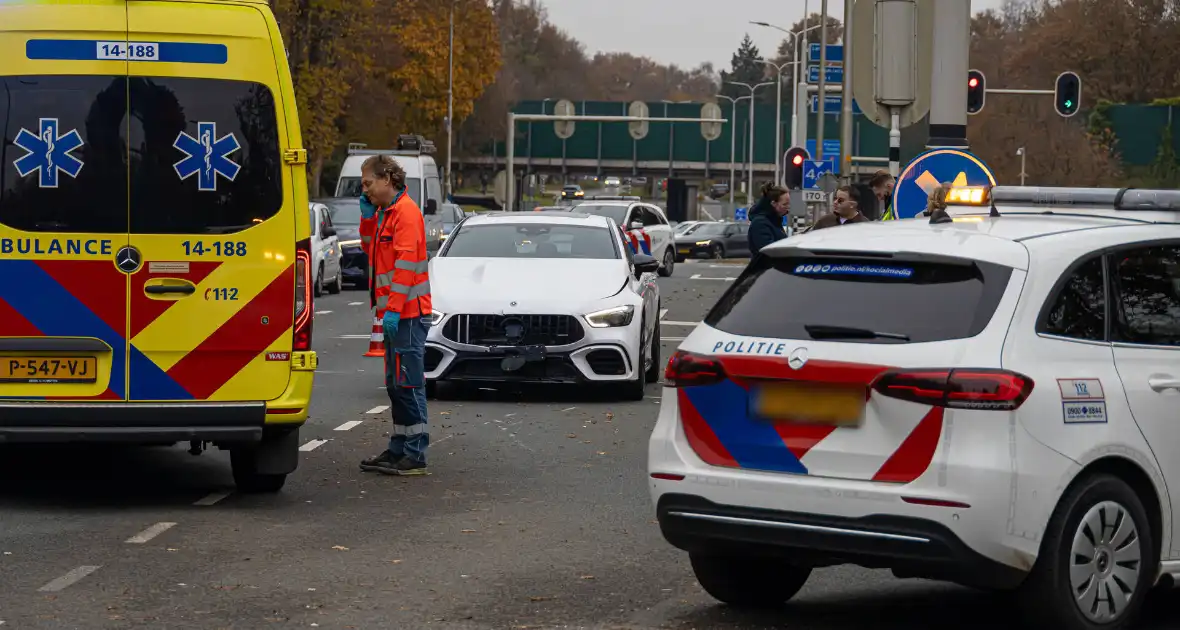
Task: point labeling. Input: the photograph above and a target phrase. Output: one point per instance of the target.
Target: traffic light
(793, 176)
(976, 91)
(1067, 96)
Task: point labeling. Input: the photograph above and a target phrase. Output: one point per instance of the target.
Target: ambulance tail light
(980, 389)
(303, 306)
(686, 369)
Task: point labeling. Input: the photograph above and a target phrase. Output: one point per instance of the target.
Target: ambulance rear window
(839, 299)
(110, 154)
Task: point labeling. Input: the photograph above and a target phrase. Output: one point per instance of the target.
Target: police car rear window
(845, 299)
(184, 155)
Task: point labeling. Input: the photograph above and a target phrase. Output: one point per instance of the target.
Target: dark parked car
(713, 239)
(346, 217)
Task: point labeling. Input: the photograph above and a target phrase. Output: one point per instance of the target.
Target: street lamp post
(750, 173)
(1023, 175)
(732, 140)
(778, 114)
(451, 103)
(796, 39)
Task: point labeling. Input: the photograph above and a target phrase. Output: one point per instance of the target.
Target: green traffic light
(1069, 104)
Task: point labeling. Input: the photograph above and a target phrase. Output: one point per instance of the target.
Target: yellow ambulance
(154, 242)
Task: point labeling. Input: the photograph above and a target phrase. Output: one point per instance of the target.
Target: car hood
(348, 233)
(690, 239)
(520, 285)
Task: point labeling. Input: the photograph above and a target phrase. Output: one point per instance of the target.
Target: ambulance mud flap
(276, 454)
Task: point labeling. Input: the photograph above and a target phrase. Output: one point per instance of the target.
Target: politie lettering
(67, 246)
(768, 348)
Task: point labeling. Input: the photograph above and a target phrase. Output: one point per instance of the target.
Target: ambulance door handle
(161, 289)
(1161, 383)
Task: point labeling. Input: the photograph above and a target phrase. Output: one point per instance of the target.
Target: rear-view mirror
(431, 206)
(646, 264)
(636, 225)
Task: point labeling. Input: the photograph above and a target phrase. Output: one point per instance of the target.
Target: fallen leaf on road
(571, 435)
(468, 531)
(340, 548)
(444, 413)
(395, 562)
(540, 598)
(602, 452)
(587, 577)
(610, 415)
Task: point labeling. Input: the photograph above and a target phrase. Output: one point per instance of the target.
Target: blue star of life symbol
(206, 156)
(48, 153)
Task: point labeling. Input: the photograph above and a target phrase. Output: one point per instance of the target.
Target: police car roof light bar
(612, 198)
(1113, 203)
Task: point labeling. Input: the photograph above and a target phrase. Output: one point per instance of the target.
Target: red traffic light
(797, 160)
(973, 82)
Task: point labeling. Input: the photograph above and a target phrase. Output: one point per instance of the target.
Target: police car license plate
(48, 369)
(808, 403)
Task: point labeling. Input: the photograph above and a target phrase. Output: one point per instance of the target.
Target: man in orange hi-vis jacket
(393, 236)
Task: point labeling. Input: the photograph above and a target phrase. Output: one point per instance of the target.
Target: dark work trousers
(405, 381)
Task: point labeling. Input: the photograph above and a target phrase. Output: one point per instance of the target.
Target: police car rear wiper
(820, 331)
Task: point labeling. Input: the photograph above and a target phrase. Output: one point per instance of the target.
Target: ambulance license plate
(808, 403)
(48, 369)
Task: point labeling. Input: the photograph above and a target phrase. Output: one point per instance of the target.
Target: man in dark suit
(845, 209)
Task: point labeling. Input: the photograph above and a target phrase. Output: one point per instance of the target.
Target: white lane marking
(672, 323)
(351, 424)
(68, 579)
(381, 409)
(150, 533)
(697, 276)
(323, 312)
(663, 312)
(672, 338)
(569, 409)
(312, 445)
(356, 303)
(368, 336)
(213, 498)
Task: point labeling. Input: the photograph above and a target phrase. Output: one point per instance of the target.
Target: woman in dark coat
(766, 217)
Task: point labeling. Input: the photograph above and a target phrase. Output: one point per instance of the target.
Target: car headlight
(356, 243)
(435, 318)
(612, 317)
(443, 236)
(703, 242)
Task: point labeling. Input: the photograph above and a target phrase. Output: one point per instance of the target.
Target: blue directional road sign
(835, 53)
(934, 167)
(815, 169)
(834, 74)
(833, 105)
(831, 147)
(740, 214)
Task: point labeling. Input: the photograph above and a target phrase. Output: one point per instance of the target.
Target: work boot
(406, 467)
(385, 462)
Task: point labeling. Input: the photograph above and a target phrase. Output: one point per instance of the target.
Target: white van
(423, 182)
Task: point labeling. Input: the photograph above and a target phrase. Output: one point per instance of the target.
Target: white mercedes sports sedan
(543, 297)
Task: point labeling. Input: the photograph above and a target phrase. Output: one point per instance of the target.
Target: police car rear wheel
(744, 582)
(669, 262)
(1097, 560)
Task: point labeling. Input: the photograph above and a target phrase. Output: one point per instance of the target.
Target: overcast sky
(685, 32)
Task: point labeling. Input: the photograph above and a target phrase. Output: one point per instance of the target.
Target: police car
(987, 396)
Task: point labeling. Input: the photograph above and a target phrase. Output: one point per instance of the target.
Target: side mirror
(329, 232)
(431, 206)
(636, 225)
(646, 264)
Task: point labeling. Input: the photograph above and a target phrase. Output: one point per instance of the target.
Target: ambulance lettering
(51, 246)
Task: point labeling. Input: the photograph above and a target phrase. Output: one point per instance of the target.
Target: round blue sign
(934, 167)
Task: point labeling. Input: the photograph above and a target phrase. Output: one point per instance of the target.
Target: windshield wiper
(820, 331)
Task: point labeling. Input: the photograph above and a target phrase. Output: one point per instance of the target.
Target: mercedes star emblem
(128, 259)
(798, 358)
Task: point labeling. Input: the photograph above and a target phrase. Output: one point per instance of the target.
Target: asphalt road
(536, 515)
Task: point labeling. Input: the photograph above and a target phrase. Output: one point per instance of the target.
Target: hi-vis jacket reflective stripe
(395, 242)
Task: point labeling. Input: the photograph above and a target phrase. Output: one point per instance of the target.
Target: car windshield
(707, 229)
(614, 213)
(351, 187)
(345, 211)
(531, 240)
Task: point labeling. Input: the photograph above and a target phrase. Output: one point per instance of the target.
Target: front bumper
(603, 355)
(693, 250)
(231, 422)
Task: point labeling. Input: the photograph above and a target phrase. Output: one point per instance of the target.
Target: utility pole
(948, 99)
(451, 104)
(822, 94)
(845, 166)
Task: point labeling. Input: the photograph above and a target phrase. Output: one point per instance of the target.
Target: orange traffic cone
(376, 340)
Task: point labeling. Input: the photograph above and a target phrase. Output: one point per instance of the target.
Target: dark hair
(385, 167)
(853, 193)
(880, 178)
(772, 191)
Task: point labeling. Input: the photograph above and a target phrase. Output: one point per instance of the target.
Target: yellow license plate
(48, 369)
(809, 403)
(685, 250)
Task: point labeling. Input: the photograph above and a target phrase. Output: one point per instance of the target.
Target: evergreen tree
(745, 67)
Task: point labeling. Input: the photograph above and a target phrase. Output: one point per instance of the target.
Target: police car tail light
(303, 308)
(686, 369)
(984, 389)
